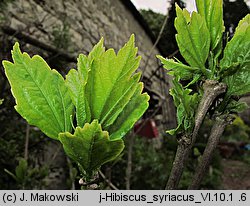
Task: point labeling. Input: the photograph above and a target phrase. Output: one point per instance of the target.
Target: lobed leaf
(90, 146)
(193, 38)
(41, 95)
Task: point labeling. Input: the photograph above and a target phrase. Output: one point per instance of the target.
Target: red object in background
(146, 128)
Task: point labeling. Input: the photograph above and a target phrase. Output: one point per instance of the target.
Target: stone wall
(76, 25)
(69, 27)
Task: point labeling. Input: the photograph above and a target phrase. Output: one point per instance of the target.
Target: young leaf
(111, 85)
(178, 68)
(21, 170)
(236, 60)
(130, 114)
(41, 95)
(97, 51)
(90, 146)
(193, 38)
(186, 105)
(212, 12)
(76, 82)
(180, 119)
(236, 106)
(114, 107)
(239, 82)
(237, 50)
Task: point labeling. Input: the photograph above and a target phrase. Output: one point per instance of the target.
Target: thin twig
(130, 162)
(212, 89)
(71, 174)
(155, 44)
(26, 146)
(130, 148)
(218, 128)
(111, 185)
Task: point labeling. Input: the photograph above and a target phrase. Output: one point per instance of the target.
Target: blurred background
(60, 30)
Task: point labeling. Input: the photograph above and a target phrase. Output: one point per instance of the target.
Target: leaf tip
(100, 44)
(177, 9)
(161, 58)
(5, 63)
(16, 49)
(132, 38)
(16, 53)
(102, 40)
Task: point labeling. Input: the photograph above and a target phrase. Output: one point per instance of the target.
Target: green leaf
(236, 60)
(41, 95)
(193, 38)
(21, 170)
(97, 51)
(130, 114)
(212, 12)
(237, 50)
(111, 89)
(111, 85)
(196, 78)
(236, 106)
(239, 82)
(104, 89)
(186, 104)
(90, 146)
(180, 119)
(178, 68)
(76, 81)
(1, 101)
(243, 25)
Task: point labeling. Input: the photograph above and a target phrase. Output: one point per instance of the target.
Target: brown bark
(130, 162)
(212, 89)
(217, 130)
